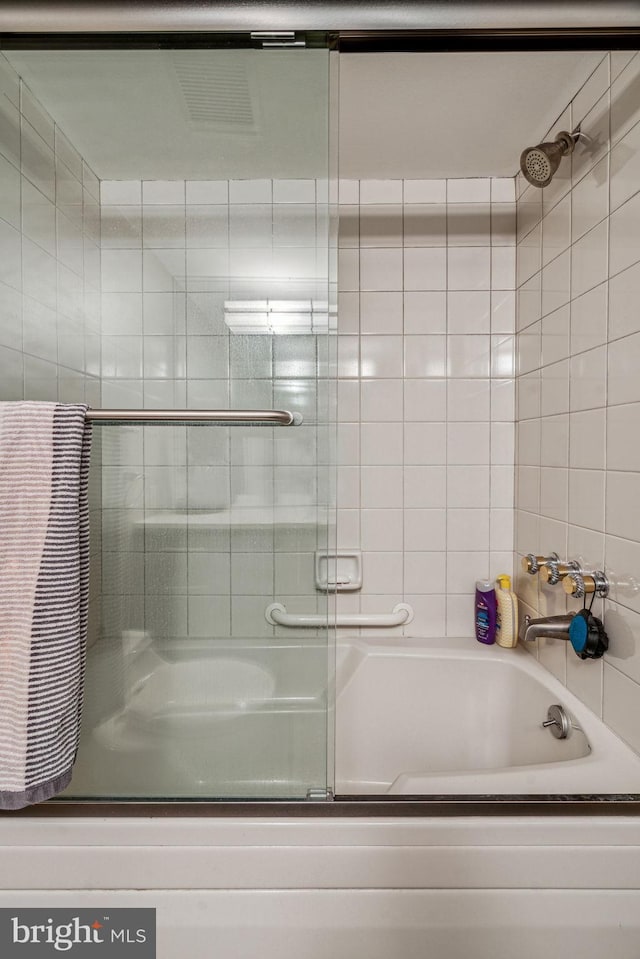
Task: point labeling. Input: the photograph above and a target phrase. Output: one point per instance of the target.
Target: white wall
(578, 348)
(426, 393)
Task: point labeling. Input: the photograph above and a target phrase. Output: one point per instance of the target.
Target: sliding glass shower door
(208, 175)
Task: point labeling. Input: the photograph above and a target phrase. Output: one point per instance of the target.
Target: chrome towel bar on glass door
(277, 615)
(224, 417)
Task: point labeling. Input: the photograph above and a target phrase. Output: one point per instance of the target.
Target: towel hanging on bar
(44, 595)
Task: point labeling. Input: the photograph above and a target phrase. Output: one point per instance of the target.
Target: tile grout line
(606, 396)
(403, 629)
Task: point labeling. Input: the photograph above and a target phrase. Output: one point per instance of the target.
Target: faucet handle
(526, 622)
(554, 571)
(579, 584)
(533, 564)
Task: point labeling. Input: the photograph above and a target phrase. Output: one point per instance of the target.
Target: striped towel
(44, 595)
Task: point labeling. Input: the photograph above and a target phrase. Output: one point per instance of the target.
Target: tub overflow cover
(557, 722)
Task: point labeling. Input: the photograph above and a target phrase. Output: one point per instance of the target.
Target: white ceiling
(187, 114)
(424, 115)
(201, 114)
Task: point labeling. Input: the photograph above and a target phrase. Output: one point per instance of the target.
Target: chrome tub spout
(554, 627)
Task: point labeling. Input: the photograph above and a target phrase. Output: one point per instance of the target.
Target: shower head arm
(567, 140)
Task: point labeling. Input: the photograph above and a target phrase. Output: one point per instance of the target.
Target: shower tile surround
(107, 298)
(426, 375)
(578, 392)
(49, 274)
(50, 264)
(173, 253)
(426, 393)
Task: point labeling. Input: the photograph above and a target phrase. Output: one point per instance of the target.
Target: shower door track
(349, 807)
(344, 41)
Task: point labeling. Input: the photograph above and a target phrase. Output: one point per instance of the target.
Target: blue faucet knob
(587, 635)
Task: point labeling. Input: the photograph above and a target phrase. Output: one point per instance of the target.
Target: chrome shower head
(539, 163)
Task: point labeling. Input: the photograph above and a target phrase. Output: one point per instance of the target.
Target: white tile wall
(174, 252)
(426, 373)
(577, 464)
(426, 393)
(50, 254)
(49, 274)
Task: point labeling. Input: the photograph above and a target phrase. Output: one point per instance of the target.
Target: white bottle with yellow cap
(507, 619)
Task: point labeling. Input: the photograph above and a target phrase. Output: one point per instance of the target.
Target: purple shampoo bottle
(486, 611)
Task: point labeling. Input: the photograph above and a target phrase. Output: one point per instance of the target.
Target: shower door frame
(93, 27)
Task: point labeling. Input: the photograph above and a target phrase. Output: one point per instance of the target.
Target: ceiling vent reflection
(215, 89)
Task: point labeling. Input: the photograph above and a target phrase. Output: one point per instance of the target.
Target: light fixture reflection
(278, 317)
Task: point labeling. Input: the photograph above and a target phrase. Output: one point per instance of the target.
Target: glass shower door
(216, 291)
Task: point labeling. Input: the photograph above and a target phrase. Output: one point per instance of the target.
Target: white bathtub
(370, 886)
(413, 717)
(427, 717)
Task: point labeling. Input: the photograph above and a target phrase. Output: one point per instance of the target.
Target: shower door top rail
(223, 417)
(116, 16)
